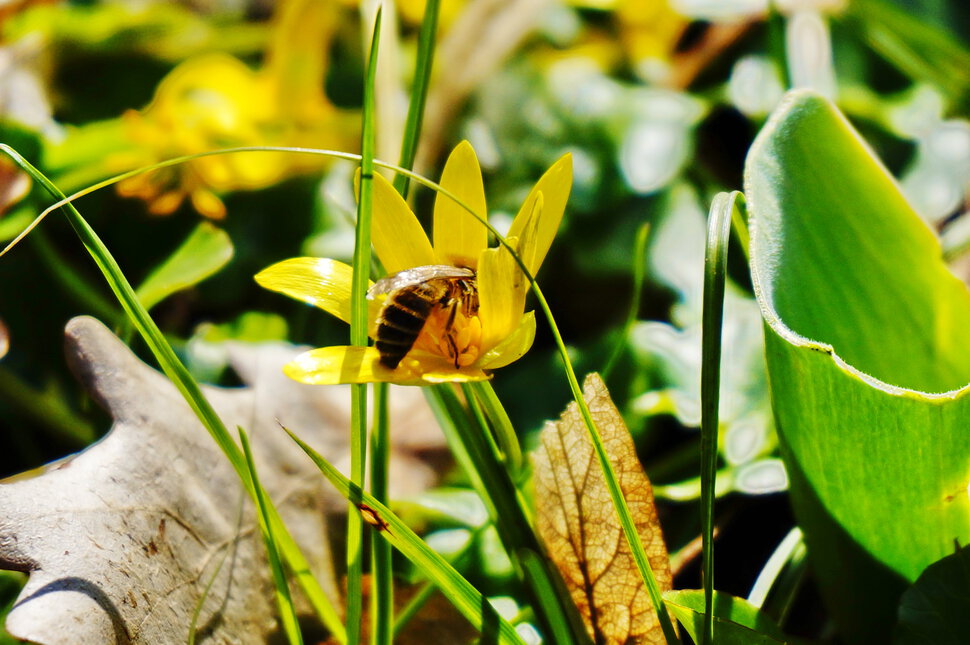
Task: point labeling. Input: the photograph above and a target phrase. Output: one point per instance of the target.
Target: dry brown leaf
(121, 539)
(581, 530)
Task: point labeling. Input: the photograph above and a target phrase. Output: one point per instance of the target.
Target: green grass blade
(776, 586)
(382, 571)
(499, 422)
(173, 368)
(459, 591)
(715, 268)
(639, 272)
(291, 625)
(419, 92)
(358, 338)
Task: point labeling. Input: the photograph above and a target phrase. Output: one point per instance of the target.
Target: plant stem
(639, 270)
(382, 572)
(358, 338)
(715, 269)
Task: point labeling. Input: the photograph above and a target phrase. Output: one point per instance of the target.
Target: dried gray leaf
(121, 539)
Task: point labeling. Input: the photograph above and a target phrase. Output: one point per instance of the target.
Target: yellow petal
(460, 375)
(513, 347)
(432, 368)
(526, 244)
(320, 282)
(459, 237)
(501, 295)
(397, 235)
(554, 186)
(333, 365)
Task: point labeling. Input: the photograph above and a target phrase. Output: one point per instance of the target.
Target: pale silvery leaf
(121, 539)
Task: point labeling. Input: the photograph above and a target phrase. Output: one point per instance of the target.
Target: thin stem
(612, 483)
(382, 572)
(358, 338)
(715, 269)
(419, 92)
(382, 592)
(508, 440)
(291, 625)
(639, 270)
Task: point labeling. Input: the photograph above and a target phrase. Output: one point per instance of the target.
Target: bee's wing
(417, 275)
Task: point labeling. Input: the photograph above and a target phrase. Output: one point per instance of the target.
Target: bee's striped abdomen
(400, 323)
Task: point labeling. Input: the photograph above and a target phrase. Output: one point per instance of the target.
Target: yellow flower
(216, 101)
(476, 318)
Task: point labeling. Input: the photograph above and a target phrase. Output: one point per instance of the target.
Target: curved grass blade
(776, 586)
(715, 269)
(459, 591)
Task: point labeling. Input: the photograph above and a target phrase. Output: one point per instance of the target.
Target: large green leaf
(867, 353)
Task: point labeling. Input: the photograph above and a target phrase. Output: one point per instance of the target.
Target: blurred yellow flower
(471, 298)
(649, 31)
(215, 101)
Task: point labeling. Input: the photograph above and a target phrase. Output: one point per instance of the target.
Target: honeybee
(413, 295)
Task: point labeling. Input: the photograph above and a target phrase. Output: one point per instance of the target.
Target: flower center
(453, 334)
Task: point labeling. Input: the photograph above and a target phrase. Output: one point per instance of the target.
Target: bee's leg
(453, 348)
(452, 345)
(453, 303)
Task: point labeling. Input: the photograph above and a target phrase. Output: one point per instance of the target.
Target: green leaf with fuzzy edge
(868, 361)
